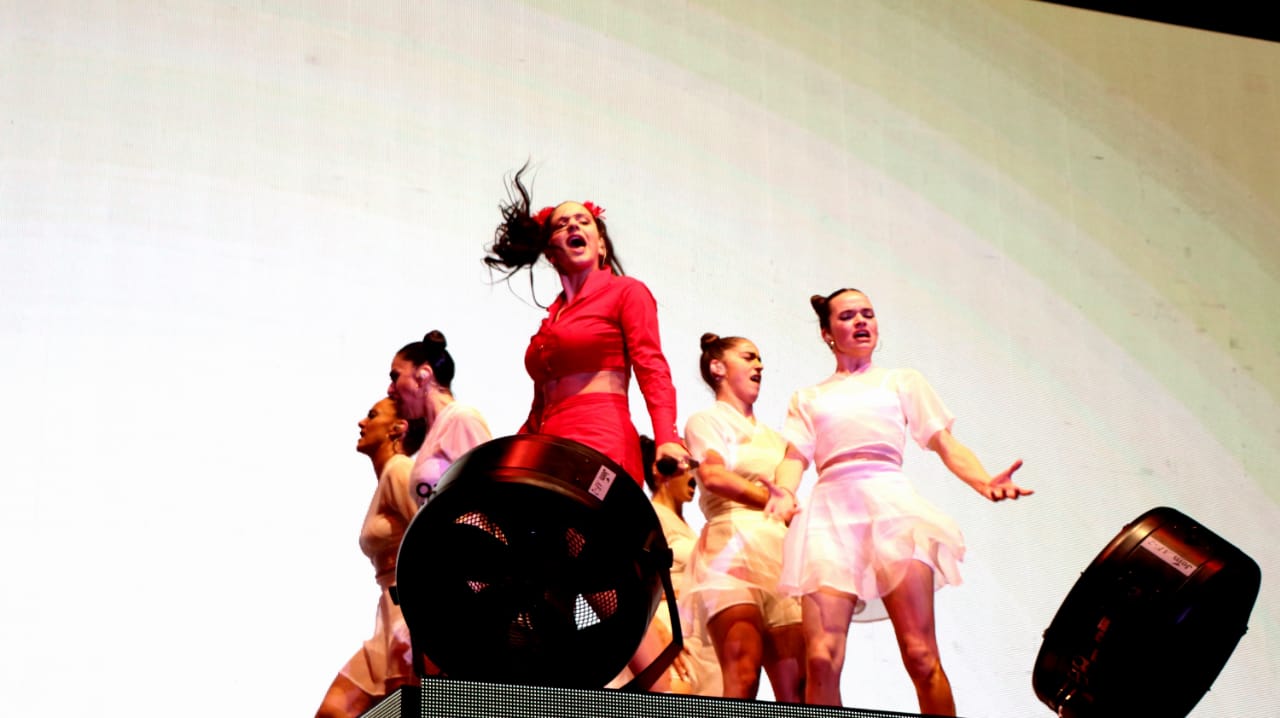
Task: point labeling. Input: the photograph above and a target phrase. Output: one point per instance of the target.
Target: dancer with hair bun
(421, 380)
(866, 544)
(736, 562)
(671, 486)
(602, 327)
(383, 663)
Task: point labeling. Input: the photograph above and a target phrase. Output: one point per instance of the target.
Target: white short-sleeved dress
(738, 557)
(863, 522)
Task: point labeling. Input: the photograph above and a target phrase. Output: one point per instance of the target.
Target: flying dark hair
(431, 351)
(521, 239)
(822, 305)
(713, 348)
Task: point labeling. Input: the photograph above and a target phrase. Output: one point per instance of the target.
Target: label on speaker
(1168, 555)
(601, 483)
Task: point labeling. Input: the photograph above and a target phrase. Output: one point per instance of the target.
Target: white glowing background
(218, 220)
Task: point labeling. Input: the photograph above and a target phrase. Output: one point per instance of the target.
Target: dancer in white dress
(384, 662)
(672, 485)
(735, 565)
(866, 543)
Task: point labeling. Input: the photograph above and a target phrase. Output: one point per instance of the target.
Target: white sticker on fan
(600, 485)
(1168, 555)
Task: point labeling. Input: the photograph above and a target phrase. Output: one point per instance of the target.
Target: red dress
(611, 324)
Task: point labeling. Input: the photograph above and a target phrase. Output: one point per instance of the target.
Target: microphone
(668, 466)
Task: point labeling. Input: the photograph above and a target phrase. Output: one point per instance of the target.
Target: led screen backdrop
(218, 221)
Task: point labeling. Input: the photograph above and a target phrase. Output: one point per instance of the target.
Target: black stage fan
(538, 561)
(1150, 623)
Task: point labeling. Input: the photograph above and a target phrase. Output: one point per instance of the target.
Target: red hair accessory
(544, 214)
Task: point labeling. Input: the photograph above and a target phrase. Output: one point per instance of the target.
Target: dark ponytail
(414, 436)
(521, 239)
(648, 455)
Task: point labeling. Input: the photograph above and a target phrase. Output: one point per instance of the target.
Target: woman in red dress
(602, 327)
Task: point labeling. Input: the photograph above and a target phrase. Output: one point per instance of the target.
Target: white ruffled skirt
(859, 531)
(738, 549)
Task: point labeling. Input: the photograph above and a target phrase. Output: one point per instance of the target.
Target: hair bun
(435, 337)
(708, 340)
(819, 304)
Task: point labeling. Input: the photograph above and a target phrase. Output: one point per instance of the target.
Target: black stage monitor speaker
(537, 560)
(1149, 624)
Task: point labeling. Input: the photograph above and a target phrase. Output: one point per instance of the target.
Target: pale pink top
(750, 449)
(390, 510)
(458, 428)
